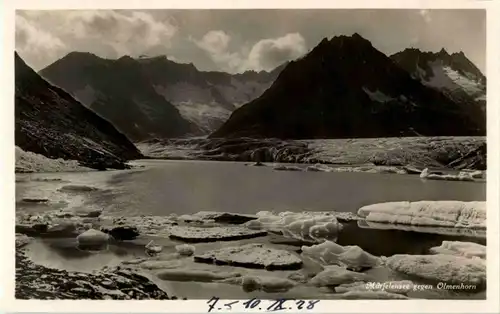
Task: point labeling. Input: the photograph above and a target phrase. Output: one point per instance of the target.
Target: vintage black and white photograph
(250, 154)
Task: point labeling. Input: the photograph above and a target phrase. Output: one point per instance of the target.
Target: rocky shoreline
(35, 281)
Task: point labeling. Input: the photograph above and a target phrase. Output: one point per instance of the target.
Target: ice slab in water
(450, 269)
(458, 248)
(185, 249)
(336, 275)
(197, 234)
(252, 256)
(330, 253)
(307, 226)
(428, 213)
(462, 176)
(195, 275)
(452, 231)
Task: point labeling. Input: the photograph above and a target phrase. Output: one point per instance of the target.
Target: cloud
(266, 54)
(425, 15)
(130, 33)
(238, 40)
(216, 44)
(107, 33)
(33, 41)
(270, 53)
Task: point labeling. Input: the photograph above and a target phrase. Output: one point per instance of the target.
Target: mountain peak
(346, 88)
(80, 54)
(443, 53)
(125, 58)
(357, 36)
(459, 54)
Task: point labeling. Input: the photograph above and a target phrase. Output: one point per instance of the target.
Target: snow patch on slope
(207, 116)
(182, 92)
(440, 79)
(240, 92)
(201, 104)
(377, 96)
(467, 82)
(447, 78)
(86, 96)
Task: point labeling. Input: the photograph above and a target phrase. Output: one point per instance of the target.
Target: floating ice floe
(219, 217)
(475, 174)
(147, 225)
(92, 238)
(185, 249)
(152, 250)
(319, 168)
(335, 275)
(160, 264)
(458, 248)
(78, 188)
(366, 169)
(412, 170)
(428, 213)
(196, 234)
(63, 229)
(330, 253)
(252, 256)
(268, 284)
(306, 226)
(35, 200)
(462, 176)
(195, 275)
(449, 269)
(287, 168)
(453, 231)
(88, 212)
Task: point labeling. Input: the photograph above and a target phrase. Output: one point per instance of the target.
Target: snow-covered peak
(453, 74)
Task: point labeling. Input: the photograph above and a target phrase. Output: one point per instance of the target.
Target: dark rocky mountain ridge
(118, 91)
(453, 74)
(155, 97)
(345, 88)
(52, 123)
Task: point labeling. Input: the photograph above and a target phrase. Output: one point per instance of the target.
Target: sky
(238, 40)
